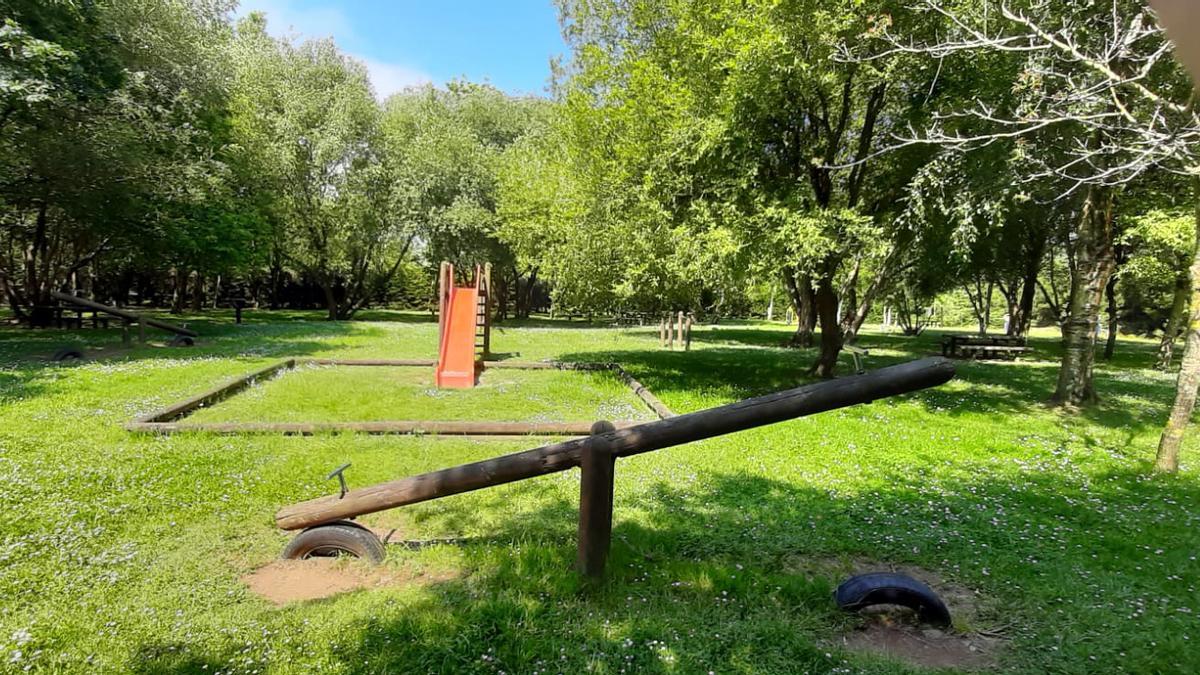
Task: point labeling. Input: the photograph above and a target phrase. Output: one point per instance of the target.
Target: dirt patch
(927, 647)
(285, 581)
(966, 604)
(894, 632)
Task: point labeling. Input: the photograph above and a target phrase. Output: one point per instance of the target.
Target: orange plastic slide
(456, 354)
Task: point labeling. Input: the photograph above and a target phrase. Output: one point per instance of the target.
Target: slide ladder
(462, 329)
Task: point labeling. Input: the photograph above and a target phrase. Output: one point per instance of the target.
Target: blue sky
(404, 42)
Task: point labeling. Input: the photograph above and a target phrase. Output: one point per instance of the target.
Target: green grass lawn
(124, 553)
(315, 393)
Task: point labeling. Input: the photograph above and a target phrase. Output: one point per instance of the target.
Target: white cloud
(389, 78)
(285, 19)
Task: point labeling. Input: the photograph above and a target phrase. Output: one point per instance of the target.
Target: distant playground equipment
(676, 328)
(979, 347)
(464, 327)
(464, 343)
(328, 529)
(859, 355)
(183, 336)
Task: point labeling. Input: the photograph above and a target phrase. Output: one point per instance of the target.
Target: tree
(1160, 244)
(1189, 369)
(110, 111)
(739, 117)
(307, 119)
(1099, 76)
(448, 146)
(1184, 21)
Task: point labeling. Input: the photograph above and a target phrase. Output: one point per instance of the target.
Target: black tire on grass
(887, 588)
(335, 539)
(67, 354)
(182, 341)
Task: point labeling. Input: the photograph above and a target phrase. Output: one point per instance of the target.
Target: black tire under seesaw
(67, 354)
(336, 539)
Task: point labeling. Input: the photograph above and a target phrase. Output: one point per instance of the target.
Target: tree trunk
(520, 311)
(1024, 317)
(852, 323)
(525, 300)
(275, 285)
(198, 292)
(1009, 293)
(331, 302)
(1110, 294)
(831, 329)
(800, 292)
(1094, 262)
(178, 291)
(500, 293)
(987, 310)
(1189, 372)
(1179, 307)
(981, 304)
(37, 286)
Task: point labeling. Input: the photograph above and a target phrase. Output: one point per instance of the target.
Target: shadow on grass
(735, 574)
(1128, 400)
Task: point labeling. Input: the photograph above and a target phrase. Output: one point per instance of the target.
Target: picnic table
(984, 346)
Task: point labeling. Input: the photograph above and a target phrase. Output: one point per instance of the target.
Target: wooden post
(487, 310)
(679, 327)
(670, 320)
(596, 466)
(141, 332)
(125, 336)
(687, 345)
(662, 332)
(444, 270)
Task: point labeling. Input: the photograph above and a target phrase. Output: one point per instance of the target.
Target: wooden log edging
(412, 427)
(167, 420)
(368, 362)
(747, 414)
(642, 392)
(220, 393)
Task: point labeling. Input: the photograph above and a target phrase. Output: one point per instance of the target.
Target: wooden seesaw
(184, 337)
(328, 529)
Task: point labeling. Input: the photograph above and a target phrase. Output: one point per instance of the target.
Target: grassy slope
(123, 553)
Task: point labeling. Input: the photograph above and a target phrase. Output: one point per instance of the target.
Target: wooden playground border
(167, 420)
